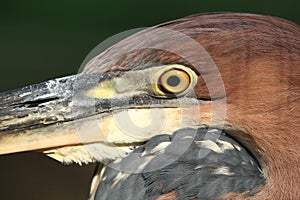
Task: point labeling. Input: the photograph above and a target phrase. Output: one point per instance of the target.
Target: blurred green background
(40, 40)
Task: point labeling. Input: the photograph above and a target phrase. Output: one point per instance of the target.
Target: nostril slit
(35, 103)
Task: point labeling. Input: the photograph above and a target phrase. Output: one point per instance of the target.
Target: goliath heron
(214, 106)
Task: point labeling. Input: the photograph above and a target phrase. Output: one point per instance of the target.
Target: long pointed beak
(40, 116)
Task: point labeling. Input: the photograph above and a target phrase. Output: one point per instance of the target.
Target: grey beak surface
(53, 101)
(32, 117)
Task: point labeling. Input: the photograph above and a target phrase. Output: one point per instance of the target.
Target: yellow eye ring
(174, 81)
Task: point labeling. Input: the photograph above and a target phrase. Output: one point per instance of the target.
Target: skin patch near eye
(128, 84)
(113, 88)
(162, 81)
(104, 90)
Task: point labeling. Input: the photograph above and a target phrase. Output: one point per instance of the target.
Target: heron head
(234, 72)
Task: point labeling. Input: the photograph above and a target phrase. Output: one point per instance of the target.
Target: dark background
(40, 40)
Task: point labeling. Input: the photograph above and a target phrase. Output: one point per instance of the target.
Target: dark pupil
(173, 81)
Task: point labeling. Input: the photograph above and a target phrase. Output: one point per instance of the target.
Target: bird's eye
(174, 81)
